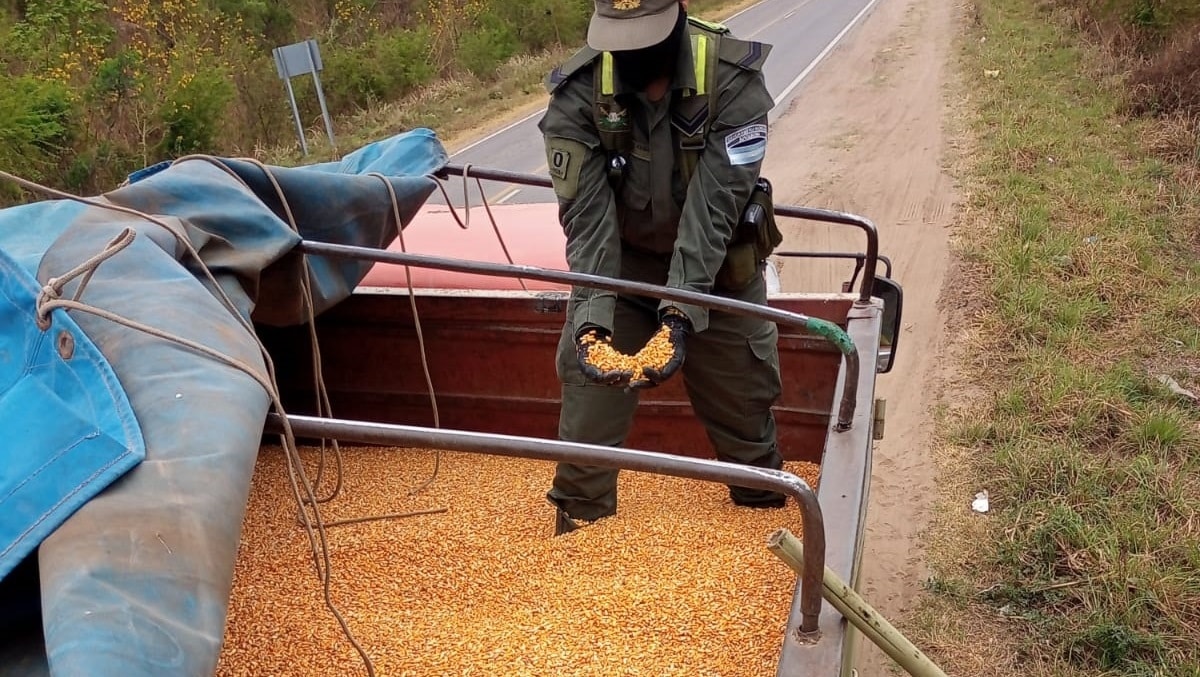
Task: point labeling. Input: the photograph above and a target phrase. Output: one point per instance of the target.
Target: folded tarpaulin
(137, 580)
(66, 426)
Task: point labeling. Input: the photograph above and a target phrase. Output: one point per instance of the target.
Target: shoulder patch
(564, 72)
(564, 160)
(745, 54)
(746, 145)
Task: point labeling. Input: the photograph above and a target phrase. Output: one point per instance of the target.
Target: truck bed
(507, 385)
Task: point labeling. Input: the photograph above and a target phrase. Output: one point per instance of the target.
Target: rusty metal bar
(867, 288)
(822, 328)
(805, 213)
(705, 470)
(860, 257)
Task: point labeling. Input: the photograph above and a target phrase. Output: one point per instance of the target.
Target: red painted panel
(531, 233)
(507, 384)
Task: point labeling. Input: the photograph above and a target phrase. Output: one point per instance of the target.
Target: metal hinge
(548, 302)
(880, 416)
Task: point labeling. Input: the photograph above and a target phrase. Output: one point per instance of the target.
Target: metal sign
(296, 59)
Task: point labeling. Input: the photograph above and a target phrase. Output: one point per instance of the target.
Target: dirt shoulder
(868, 134)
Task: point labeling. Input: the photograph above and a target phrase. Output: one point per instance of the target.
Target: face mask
(639, 67)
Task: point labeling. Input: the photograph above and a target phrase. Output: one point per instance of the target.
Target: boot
(563, 524)
(748, 498)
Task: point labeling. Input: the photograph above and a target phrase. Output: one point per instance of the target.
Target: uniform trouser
(730, 372)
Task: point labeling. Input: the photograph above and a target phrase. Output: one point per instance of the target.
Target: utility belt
(754, 239)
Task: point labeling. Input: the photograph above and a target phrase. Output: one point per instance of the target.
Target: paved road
(802, 33)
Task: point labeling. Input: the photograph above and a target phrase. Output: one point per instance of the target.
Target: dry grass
(1169, 83)
(1176, 139)
(1076, 246)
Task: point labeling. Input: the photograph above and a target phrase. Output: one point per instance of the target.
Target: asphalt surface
(802, 33)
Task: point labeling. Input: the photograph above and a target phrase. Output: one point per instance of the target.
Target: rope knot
(51, 291)
(50, 296)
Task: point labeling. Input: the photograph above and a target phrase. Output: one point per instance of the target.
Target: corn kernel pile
(679, 582)
(655, 354)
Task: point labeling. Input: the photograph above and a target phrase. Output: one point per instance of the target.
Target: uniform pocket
(762, 384)
(635, 189)
(739, 268)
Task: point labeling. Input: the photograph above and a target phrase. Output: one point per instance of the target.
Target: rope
(324, 407)
(487, 208)
(412, 299)
(54, 286)
(302, 488)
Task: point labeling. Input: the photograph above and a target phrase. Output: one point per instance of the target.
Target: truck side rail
(822, 328)
(610, 457)
(806, 213)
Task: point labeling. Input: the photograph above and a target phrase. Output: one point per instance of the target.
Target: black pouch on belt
(755, 237)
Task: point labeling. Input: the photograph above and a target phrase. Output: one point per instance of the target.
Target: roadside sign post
(302, 58)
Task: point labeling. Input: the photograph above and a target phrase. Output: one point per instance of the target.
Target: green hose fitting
(832, 332)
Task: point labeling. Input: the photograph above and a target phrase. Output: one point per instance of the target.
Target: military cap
(619, 25)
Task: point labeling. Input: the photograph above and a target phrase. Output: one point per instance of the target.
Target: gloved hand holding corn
(599, 361)
(656, 362)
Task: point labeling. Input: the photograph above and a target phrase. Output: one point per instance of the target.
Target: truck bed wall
(491, 359)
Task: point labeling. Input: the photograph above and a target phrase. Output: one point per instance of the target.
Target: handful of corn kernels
(655, 355)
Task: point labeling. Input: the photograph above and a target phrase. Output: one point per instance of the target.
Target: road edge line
(824, 53)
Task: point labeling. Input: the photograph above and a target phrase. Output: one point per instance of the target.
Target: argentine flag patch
(746, 145)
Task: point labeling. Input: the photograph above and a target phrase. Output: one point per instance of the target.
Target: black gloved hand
(592, 344)
(670, 340)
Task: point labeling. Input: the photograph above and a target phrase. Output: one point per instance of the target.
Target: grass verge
(457, 109)
(1081, 252)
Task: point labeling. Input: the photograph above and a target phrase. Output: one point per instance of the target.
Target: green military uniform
(656, 226)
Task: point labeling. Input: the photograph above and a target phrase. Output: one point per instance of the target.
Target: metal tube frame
(859, 257)
(609, 457)
(615, 457)
(805, 213)
(849, 352)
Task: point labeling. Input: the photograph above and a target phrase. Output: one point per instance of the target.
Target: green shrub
(387, 67)
(482, 48)
(403, 55)
(37, 124)
(1158, 15)
(60, 33)
(261, 112)
(1151, 21)
(270, 19)
(350, 80)
(539, 24)
(117, 77)
(191, 112)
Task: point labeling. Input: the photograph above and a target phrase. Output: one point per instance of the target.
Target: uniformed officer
(655, 135)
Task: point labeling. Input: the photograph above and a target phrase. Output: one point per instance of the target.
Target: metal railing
(812, 520)
(823, 328)
(806, 213)
(614, 457)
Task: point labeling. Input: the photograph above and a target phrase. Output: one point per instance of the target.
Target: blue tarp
(137, 580)
(68, 428)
